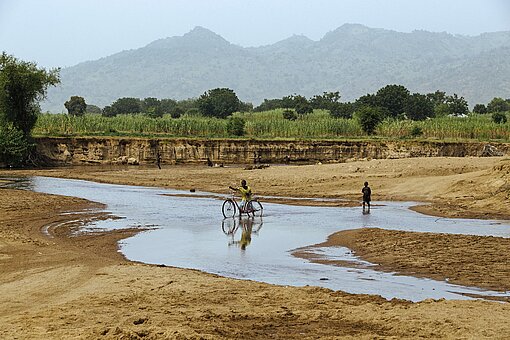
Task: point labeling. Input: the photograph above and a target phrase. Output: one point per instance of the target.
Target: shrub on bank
(14, 145)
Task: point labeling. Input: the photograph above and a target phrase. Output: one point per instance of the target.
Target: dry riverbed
(54, 285)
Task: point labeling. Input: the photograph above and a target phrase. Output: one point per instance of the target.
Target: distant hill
(353, 59)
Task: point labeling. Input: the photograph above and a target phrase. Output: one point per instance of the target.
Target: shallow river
(189, 233)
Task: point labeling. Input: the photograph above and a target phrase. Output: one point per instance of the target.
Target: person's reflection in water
(247, 225)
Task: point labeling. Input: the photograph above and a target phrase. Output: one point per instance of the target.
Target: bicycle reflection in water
(248, 226)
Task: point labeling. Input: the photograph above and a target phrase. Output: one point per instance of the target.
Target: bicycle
(230, 208)
(249, 226)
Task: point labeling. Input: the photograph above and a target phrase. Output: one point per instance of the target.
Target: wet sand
(460, 259)
(63, 286)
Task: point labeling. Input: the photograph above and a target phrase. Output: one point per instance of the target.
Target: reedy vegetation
(270, 124)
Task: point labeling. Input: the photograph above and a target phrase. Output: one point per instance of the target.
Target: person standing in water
(366, 196)
(245, 192)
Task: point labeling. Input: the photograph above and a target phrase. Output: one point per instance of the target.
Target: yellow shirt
(245, 193)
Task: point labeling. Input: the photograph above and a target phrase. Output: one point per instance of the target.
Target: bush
(177, 112)
(369, 117)
(499, 118)
(289, 115)
(416, 131)
(498, 105)
(235, 126)
(342, 110)
(14, 146)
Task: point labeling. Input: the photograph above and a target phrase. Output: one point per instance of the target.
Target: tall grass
(478, 127)
(270, 124)
(93, 124)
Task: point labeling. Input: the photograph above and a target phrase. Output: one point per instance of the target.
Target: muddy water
(190, 232)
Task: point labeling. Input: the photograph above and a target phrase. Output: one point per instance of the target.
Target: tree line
(23, 85)
(391, 101)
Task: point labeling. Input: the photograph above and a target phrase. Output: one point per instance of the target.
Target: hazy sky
(66, 32)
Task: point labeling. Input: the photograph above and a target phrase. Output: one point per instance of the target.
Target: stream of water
(190, 232)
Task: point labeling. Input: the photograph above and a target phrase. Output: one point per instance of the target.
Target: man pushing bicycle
(245, 192)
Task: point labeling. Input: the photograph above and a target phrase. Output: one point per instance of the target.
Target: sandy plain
(59, 285)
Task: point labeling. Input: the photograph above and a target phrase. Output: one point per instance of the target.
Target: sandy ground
(56, 284)
(461, 259)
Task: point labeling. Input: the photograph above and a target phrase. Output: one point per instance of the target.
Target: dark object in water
(192, 190)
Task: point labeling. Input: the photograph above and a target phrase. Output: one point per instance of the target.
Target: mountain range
(353, 59)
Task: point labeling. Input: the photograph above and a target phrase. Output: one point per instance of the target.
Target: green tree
(342, 110)
(366, 100)
(499, 118)
(126, 105)
(437, 98)
(269, 104)
(498, 105)
(245, 107)
(108, 111)
(325, 101)
(298, 103)
(303, 108)
(93, 109)
(177, 112)
(152, 107)
(76, 106)
(457, 106)
(220, 102)
(441, 110)
(188, 104)
(193, 112)
(480, 109)
(168, 105)
(419, 107)
(369, 117)
(288, 102)
(393, 98)
(22, 86)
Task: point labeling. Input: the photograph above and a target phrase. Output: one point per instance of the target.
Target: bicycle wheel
(228, 209)
(255, 208)
(229, 226)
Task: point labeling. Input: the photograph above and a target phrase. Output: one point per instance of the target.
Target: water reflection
(16, 183)
(248, 226)
(187, 240)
